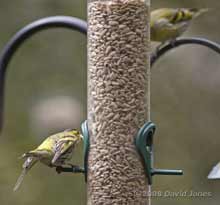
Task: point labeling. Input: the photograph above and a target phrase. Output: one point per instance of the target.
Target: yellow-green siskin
(54, 151)
(167, 23)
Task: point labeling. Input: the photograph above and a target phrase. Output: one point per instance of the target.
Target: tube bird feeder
(118, 99)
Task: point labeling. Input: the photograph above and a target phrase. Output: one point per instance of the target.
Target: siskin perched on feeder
(54, 151)
(167, 23)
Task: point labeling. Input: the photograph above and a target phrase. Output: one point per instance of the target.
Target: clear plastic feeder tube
(118, 83)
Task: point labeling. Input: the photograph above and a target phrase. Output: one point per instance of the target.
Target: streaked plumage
(168, 23)
(54, 151)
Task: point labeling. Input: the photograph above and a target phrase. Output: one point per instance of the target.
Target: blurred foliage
(52, 64)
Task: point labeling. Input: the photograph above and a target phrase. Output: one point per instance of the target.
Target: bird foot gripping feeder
(144, 144)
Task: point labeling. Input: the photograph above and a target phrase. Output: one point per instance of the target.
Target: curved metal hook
(25, 33)
(183, 41)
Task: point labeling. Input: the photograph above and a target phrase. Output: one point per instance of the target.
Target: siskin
(167, 24)
(54, 151)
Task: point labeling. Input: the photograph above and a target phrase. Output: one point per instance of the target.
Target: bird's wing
(215, 173)
(163, 23)
(63, 146)
(164, 13)
(173, 16)
(48, 143)
(29, 162)
(166, 28)
(180, 15)
(38, 153)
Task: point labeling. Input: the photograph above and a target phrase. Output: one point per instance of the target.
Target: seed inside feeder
(118, 68)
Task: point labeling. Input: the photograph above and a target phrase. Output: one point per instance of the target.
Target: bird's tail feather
(20, 179)
(197, 12)
(28, 164)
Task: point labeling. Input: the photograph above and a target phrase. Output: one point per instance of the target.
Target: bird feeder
(118, 100)
(118, 135)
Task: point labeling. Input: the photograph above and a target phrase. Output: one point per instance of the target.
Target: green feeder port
(144, 145)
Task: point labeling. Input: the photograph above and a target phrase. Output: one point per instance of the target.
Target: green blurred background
(46, 92)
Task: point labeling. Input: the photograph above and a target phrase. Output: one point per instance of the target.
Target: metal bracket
(85, 133)
(144, 145)
(72, 169)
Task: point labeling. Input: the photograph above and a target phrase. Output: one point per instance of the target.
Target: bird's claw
(59, 169)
